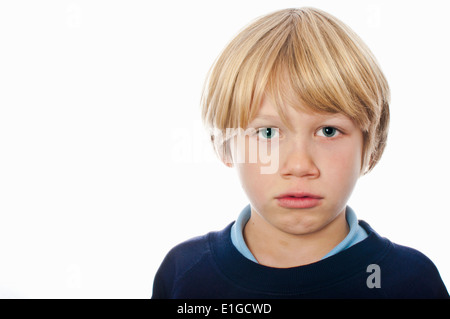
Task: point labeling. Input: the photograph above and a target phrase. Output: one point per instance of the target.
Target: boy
(298, 90)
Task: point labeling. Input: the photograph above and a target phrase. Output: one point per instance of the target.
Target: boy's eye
(267, 132)
(328, 131)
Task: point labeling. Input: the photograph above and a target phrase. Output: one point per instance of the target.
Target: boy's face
(320, 156)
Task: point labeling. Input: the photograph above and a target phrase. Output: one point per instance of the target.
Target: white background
(104, 164)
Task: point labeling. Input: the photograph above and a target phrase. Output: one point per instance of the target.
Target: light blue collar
(355, 235)
(237, 233)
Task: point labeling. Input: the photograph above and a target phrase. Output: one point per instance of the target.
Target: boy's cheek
(345, 159)
(250, 174)
(254, 183)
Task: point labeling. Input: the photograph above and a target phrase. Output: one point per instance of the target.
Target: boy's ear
(230, 165)
(227, 159)
(224, 153)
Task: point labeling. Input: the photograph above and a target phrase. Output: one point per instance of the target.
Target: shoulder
(411, 274)
(411, 261)
(186, 254)
(404, 271)
(181, 260)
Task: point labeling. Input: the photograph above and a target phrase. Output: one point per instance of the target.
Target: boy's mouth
(295, 200)
(298, 195)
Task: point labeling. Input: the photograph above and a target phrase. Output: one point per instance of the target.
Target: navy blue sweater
(211, 267)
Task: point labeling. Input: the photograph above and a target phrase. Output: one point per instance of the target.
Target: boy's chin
(301, 228)
(308, 224)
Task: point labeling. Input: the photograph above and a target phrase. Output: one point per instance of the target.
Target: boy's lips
(298, 200)
(298, 195)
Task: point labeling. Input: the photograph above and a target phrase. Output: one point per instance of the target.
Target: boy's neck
(273, 248)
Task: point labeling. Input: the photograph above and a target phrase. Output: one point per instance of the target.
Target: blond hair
(298, 57)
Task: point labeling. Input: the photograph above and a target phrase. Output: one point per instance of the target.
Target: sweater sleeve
(429, 281)
(411, 274)
(163, 282)
(176, 264)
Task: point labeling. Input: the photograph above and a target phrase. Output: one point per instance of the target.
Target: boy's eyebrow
(318, 117)
(266, 116)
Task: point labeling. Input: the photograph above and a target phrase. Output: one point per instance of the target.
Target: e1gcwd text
(225, 309)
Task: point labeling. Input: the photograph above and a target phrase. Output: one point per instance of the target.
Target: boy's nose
(299, 162)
